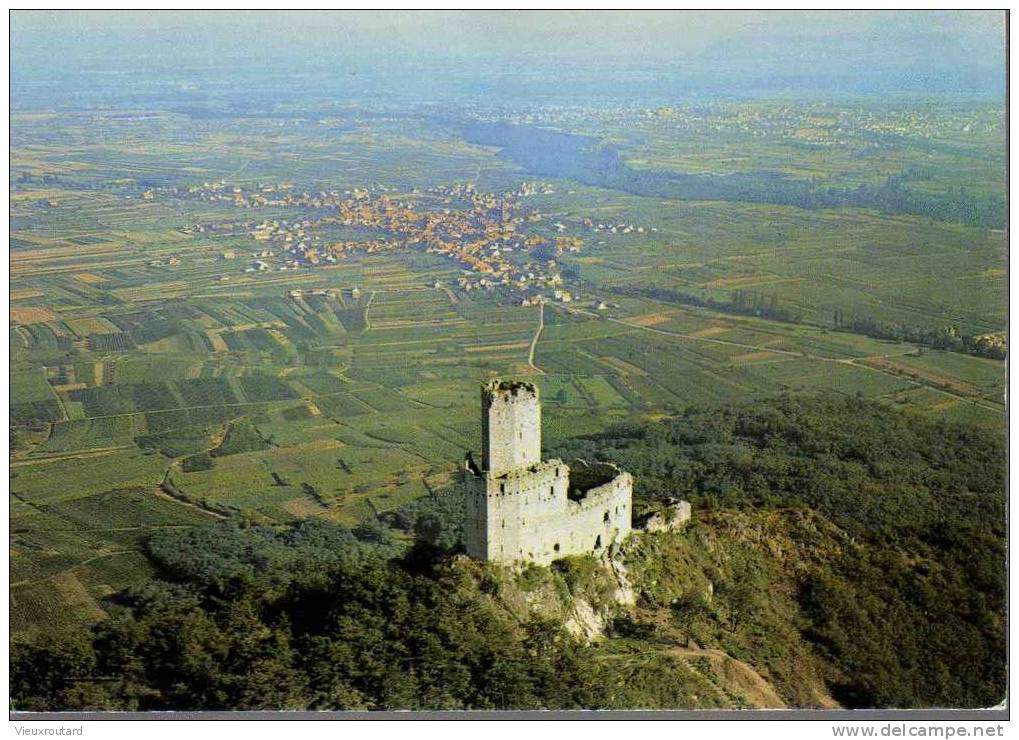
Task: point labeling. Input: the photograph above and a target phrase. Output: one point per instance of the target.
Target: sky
(838, 51)
(480, 32)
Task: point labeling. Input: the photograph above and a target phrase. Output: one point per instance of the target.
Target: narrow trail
(737, 675)
(368, 305)
(65, 571)
(180, 501)
(537, 336)
(979, 402)
(68, 455)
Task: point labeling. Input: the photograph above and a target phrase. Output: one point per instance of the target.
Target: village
(499, 244)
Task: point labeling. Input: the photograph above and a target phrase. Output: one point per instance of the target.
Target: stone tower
(523, 509)
(510, 426)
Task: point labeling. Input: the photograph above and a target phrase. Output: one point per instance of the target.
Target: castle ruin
(522, 509)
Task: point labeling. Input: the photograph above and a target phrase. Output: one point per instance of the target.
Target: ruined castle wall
(601, 518)
(520, 505)
(530, 518)
(510, 427)
(518, 508)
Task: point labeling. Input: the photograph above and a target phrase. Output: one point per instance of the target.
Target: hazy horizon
(436, 55)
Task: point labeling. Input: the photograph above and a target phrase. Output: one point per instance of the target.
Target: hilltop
(841, 554)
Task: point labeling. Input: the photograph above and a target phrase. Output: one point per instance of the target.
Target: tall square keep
(522, 509)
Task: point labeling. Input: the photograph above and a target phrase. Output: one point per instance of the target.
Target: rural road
(537, 336)
(367, 306)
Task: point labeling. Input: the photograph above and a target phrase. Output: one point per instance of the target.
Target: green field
(157, 382)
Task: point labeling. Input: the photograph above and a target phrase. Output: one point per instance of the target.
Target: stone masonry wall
(510, 426)
(526, 516)
(518, 507)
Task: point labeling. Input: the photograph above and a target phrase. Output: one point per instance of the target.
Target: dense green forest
(899, 573)
(849, 553)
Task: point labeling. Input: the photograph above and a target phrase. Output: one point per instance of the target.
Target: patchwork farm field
(162, 377)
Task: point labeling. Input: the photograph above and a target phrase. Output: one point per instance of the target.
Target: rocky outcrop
(584, 622)
(625, 594)
(671, 518)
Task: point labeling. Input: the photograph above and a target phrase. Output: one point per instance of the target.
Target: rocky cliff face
(665, 612)
(582, 593)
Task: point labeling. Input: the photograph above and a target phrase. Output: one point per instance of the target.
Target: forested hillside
(841, 553)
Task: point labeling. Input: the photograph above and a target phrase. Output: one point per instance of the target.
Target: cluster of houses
(483, 232)
(499, 244)
(618, 228)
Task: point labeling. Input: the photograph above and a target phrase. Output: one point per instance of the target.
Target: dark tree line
(942, 337)
(742, 302)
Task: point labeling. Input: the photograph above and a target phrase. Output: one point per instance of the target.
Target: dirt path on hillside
(737, 676)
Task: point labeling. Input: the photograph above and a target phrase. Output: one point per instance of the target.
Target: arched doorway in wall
(597, 543)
